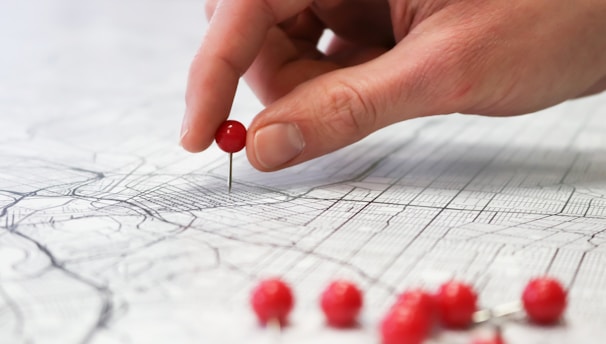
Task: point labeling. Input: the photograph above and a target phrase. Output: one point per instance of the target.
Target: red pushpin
(496, 338)
(456, 304)
(341, 303)
(231, 138)
(492, 340)
(272, 301)
(544, 300)
(418, 298)
(406, 323)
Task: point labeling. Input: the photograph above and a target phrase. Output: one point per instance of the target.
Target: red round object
(341, 303)
(493, 340)
(544, 300)
(456, 303)
(418, 298)
(231, 136)
(272, 299)
(405, 324)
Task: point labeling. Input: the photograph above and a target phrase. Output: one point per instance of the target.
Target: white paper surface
(110, 233)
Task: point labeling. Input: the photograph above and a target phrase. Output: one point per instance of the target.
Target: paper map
(111, 233)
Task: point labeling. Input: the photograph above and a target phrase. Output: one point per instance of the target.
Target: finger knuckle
(347, 110)
(452, 73)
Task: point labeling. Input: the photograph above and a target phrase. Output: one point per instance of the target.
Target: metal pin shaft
(276, 330)
(230, 173)
(497, 312)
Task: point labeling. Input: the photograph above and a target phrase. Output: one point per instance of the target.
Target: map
(111, 233)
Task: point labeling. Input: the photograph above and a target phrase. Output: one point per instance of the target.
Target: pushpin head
(272, 300)
(544, 300)
(405, 324)
(341, 302)
(418, 298)
(456, 303)
(231, 136)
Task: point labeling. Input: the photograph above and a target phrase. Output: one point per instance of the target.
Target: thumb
(339, 108)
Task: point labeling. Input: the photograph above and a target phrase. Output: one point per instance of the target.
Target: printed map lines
(103, 292)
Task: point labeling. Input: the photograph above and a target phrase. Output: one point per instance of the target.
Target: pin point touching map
(110, 233)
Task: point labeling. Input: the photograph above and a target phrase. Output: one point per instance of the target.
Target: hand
(390, 61)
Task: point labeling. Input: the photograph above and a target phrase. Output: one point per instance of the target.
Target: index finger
(235, 35)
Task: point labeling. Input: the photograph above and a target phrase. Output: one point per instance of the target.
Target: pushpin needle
(497, 312)
(276, 329)
(231, 138)
(229, 177)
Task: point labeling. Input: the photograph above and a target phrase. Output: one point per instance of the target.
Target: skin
(389, 61)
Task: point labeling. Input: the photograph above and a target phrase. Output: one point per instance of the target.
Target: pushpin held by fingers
(231, 138)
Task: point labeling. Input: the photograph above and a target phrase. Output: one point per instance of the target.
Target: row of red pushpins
(416, 312)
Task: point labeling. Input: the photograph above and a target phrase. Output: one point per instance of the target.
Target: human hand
(390, 61)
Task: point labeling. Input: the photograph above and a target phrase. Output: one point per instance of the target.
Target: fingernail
(277, 144)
